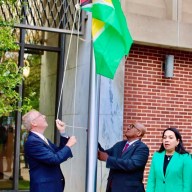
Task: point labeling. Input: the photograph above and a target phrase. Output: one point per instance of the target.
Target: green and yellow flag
(111, 37)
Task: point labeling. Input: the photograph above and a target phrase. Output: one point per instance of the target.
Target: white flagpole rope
(77, 127)
(77, 6)
(66, 63)
(63, 81)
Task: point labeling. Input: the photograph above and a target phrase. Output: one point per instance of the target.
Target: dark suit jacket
(126, 170)
(44, 163)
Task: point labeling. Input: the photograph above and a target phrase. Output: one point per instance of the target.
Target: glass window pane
(24, 167)
(6, 154)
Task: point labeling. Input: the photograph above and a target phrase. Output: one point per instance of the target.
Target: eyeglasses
(40, 115)
(131, 126)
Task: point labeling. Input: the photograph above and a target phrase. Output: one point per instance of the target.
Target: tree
(32, 82)
(10, 74)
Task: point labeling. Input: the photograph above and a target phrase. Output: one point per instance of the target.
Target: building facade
(140, 91)
(159, 28)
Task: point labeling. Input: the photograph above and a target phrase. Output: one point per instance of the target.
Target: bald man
(126, 161)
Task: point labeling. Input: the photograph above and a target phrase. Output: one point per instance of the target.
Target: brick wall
(156, 101)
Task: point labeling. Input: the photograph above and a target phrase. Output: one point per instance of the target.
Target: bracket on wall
(168, 66)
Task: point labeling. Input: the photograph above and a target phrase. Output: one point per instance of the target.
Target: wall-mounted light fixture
(26, 68)
(169, 66)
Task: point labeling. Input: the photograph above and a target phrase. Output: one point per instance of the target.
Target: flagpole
(93, 124)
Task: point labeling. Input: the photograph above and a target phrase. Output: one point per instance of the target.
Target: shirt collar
(130, 143)
(39, 134)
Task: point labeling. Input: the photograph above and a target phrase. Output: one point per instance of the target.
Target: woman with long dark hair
(171, 166)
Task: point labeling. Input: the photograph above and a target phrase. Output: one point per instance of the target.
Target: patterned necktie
(46, 141)
(125, 148)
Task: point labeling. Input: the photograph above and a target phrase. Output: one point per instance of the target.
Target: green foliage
(7, 40)
(7, 2)
(11, 75)
(32, 82)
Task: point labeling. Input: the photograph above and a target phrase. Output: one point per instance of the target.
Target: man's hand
(102, 156)
(60, 126)
(72, 140)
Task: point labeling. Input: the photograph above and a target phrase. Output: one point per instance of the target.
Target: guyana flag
(110, 34)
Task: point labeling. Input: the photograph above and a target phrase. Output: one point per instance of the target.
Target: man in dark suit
(126, 160)
(44, 157)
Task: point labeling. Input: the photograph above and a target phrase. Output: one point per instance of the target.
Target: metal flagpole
(93, 124)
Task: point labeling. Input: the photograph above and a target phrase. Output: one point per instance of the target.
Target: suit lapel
(34, 135)
(131, 147)
(121, 148)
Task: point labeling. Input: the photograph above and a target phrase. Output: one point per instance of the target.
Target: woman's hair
(180, 148)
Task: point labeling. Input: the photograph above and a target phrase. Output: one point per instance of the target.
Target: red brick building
(154, 100)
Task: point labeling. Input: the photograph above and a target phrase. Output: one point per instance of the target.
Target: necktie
(125, 148)
(46, 141)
